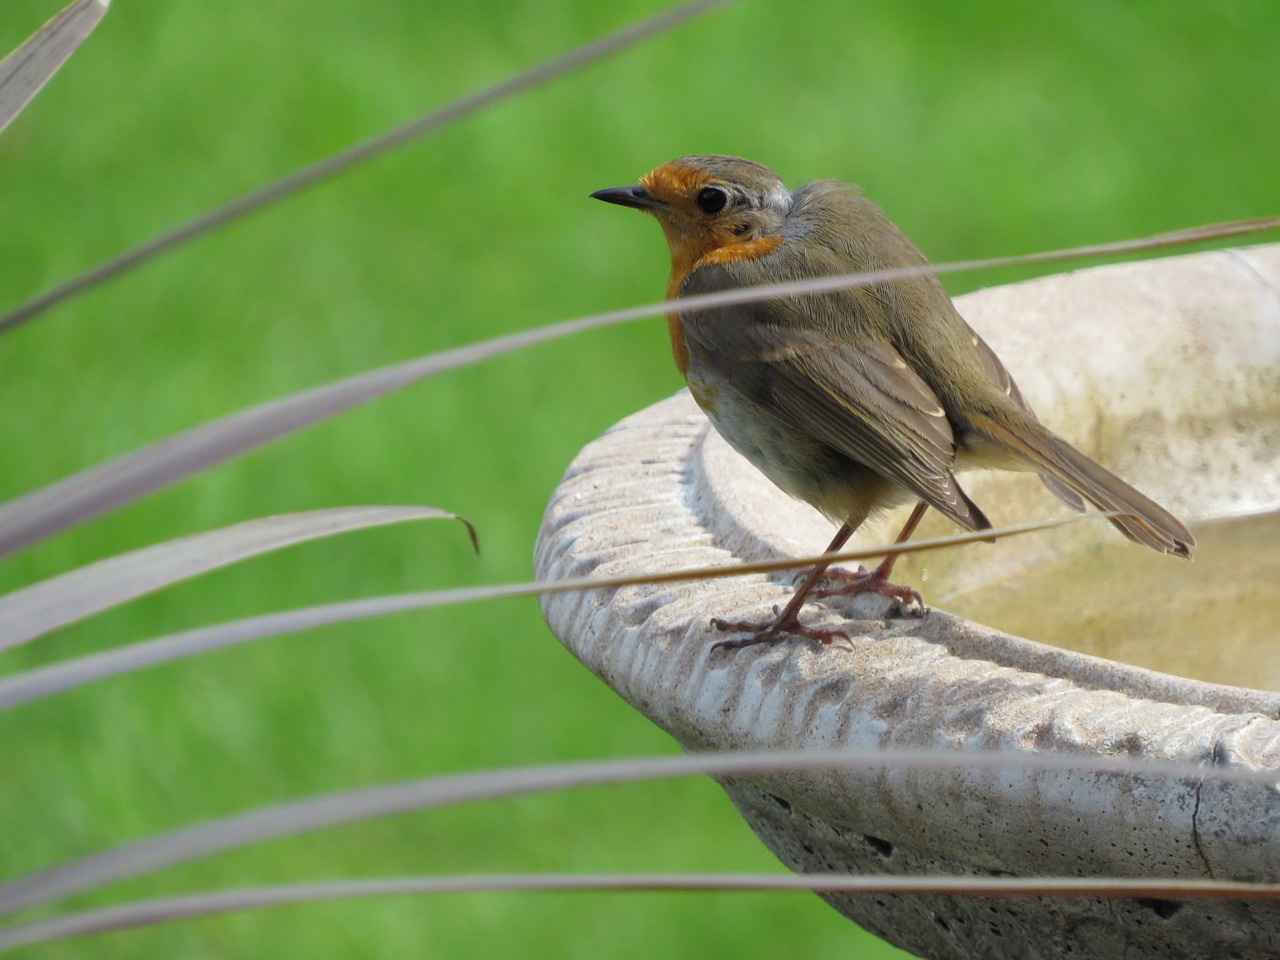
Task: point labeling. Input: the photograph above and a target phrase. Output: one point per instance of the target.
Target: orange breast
(679, 349)
(683, 265)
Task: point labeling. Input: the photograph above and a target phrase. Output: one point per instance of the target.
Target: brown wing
(864, 401)
(997, 372)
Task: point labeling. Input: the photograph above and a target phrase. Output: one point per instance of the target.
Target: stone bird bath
(1167, 371)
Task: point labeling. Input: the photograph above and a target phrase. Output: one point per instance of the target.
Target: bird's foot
(839, 573)
(872, 581)
(783, 624)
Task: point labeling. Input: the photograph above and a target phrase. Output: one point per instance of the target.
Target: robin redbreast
(853, 400)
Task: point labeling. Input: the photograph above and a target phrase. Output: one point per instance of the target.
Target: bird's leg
(877, 580)
(787, 620)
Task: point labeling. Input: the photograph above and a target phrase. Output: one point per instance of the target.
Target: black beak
(626, 197)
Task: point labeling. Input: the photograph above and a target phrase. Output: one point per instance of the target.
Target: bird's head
(705, 203)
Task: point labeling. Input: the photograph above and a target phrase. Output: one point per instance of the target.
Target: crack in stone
(1216, 757)
(1249, 268)
(1195, 832)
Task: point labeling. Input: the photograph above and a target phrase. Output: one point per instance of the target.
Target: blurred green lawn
(983, 129)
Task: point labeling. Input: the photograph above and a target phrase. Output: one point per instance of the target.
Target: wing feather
(997, 372)
(865, 402)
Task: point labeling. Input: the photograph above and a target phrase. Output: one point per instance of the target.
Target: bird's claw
(873, 581)
(772, 631)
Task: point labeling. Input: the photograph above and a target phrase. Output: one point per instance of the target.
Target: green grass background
(983, 129)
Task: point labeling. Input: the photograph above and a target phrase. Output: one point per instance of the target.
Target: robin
(855, 400)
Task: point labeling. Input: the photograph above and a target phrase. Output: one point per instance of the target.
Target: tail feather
(1063, 492)
(1144, 521)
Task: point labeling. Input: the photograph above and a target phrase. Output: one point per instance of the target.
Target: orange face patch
(743, 250)
(694, 241)
(674, 184)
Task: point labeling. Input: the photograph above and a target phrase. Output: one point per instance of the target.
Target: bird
(853, 400)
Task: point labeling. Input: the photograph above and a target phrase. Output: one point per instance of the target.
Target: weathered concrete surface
(1169, 372)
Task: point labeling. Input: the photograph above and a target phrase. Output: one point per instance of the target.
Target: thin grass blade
(42, 607)
(58, 678)
(85, 495)
(142, 913)
(331, 166)
(328, 810)
(25, 71)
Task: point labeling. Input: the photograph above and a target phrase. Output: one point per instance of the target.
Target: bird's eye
(712, 199)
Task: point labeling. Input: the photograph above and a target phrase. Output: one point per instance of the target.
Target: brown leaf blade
(328, 810)
(25, 71)
(140, 913)
(59, 677)
(47, 511)
(42, 607)
(81, 497)
(333, 165)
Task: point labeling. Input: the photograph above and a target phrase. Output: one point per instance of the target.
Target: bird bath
(1166, 371)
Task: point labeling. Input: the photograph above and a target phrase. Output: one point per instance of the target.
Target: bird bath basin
(1166, 371)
